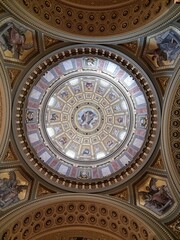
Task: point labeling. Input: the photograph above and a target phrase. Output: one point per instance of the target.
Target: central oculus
(87, 118)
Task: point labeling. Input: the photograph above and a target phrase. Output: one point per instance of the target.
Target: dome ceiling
(90, 20)
(89, 117)
(91, 150)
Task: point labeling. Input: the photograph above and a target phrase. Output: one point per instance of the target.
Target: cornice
(94, 211)
(5, 111)
(119, 24)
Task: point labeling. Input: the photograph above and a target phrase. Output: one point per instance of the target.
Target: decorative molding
(88, 185)
(170, 133)
(10, 155)
(175, 129)
(163, 82)
(49, 41)
(132, 46)
(42, 191)
(174, 226)
(5, 111)
(13, 75)
(1, 10)
(84, 212)
(158, 163)
(88, 22)
(76, 234)
(1, 112)
(123, 195)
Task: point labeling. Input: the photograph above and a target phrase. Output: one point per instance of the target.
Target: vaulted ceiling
(89, 119)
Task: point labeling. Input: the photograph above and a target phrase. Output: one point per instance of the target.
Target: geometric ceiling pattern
(82, 21)
(89, 120)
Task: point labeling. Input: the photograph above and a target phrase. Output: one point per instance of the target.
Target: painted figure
(13, 39)
(54, 116)
(89, 85)
(84, 174)
(63, 140)
(168, 48)
(120, 120)
(87, 119)
(10, 189)
(64, 94)
(100, 90)
(110, 143)
(157, 199)
(29, 116)
(86, 151)
(91, 62)
(76, 89)
(112, 96)
(117, 108)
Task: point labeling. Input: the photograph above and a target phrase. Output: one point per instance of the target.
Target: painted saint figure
(29, 116)
(157, 199)
(10, 189)
(168, 48)
(54, 116)
(13, 39)
(88, 119)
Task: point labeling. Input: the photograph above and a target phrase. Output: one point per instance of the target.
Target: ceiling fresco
(13, 188)
(163, 49)
(81, 21)
(89, 120)
(17, 41)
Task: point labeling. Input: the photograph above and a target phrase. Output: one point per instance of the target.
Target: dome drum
(88, 118)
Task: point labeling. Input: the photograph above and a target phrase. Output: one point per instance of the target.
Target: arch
(5, 111)
(71, 212)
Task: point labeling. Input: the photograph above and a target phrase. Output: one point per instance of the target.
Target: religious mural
(13, 188)
(16, 41)
(163, 49)
(154, 195)
(87, 118)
